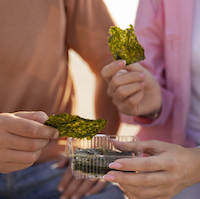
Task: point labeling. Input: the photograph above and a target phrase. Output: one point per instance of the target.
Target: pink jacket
(164, 28)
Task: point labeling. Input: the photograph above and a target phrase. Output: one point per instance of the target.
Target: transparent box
(90, 159)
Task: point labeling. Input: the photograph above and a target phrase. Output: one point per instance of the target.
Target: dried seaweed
(124, 45)
(96, 161)
(75, 126)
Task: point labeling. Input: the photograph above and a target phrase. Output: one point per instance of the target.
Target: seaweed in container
(96, 161)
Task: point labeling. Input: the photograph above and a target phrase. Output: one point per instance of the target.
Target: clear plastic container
(90, 159)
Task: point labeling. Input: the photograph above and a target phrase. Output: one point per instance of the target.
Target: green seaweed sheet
(124, 45)
(75, 126)
(96, 161)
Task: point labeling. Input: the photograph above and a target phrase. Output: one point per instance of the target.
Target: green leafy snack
(96, 161)
(75, 126)
(124, 45)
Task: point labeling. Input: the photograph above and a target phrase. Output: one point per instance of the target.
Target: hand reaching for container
(167, 170)
(22, 137)
(135, 91)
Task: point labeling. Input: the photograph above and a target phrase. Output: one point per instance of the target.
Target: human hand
(22, 137)
(165, 173)
(70, 187)
(135, 91)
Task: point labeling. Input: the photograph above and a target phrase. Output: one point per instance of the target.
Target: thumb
(63, 160)
(152, 147)
(38, 116)
(111, 69)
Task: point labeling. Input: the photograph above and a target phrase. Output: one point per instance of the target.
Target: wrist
(147, 119)
(154, 115)
(195, 154)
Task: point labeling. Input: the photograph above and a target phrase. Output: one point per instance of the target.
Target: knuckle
(153, 142)
(123, 179)
(147, 181)
(32, 157)
(131, 102)
(41, 116)
(173, 180)
(104, 73)
(32, 130)
(115, 81)
(142, 194)
(109, 93)
(34, 145)
(3, 118)
(172, 163)
(149, 164)
(121, 92)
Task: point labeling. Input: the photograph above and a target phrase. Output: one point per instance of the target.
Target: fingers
(126, 146)
(19, 157)
(86, 188)
(152, 163)
(67, 177)
(63, 160)
(128, 96)
(111, 69)
(131, 79)
(38, 116)
(26, 128)
(71, 187)
(154, 147)
(16, 142)
(147, 179)
(97, 187)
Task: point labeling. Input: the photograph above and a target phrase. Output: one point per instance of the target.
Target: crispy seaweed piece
(96, 161)
(75, 126)
(124, 45)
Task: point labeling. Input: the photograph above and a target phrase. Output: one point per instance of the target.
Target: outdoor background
(123, 12)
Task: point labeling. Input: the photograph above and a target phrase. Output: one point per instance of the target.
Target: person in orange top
(35, 38)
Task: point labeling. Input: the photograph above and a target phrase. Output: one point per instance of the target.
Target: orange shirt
(34, 39)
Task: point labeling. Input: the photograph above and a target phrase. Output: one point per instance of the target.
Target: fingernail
(60, 189)
(115, 165)
(143, 84)
(122, 189)
(74, 197)
(141, 75)
(109, 178)
(121, 63)
(56, 134)
(87, 194)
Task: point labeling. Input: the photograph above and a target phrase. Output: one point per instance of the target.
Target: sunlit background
(123, 12)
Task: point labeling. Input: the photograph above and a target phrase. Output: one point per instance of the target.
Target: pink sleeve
(149, 28)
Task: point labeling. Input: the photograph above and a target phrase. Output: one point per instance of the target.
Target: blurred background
(123, 13)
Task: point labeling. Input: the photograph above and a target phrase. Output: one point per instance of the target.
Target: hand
(71, 187)
(22, 137)
(168, 170)
(135, 91)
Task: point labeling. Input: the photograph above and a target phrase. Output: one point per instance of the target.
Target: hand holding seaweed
(124, 45)
(75, 126)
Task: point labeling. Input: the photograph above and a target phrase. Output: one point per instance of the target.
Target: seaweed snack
(96, 161)
(124, 45)
(75, 126)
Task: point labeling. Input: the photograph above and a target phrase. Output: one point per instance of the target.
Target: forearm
(105, 109)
